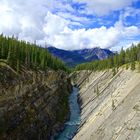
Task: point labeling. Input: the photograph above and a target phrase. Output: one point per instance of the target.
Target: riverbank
(72, 124)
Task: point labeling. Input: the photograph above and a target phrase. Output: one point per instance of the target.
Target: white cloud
(73, 17)
(82, 38)
(35, 20)
(21, 18)
(129, 11)
(7, 20)
(125, 44)
(54, 24)
(103, 7)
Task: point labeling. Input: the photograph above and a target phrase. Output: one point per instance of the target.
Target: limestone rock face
(33, 105)
(110, 105)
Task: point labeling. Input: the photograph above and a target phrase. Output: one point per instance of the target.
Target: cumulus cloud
(64, 37)
(50, 21)
(54, 24)
(21, 18)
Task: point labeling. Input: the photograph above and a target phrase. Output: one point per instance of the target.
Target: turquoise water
(71, 126)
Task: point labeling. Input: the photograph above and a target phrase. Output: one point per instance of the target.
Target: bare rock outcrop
(33, 104)
(110, 105)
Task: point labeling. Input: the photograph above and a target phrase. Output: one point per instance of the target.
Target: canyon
(37, 104)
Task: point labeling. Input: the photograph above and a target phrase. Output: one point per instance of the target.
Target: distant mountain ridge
(72, 58)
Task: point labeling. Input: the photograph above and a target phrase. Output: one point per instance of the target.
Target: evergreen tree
(116, 60)
(18, 66)
(9, 58)
(21, 53)
(133, 65)
(139, 66)
(127, 56)
(122, 57)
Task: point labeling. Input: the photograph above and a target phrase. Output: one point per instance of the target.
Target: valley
(43, 99)
(69, 69)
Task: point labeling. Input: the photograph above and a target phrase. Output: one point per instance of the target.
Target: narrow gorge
(69, 69)
(44, 105)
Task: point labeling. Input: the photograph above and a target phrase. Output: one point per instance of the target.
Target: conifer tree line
(128, 56)
(20, 54)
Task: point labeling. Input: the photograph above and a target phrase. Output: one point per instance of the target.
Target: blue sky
(73, 24)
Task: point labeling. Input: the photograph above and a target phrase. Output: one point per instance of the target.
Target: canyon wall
(33, 104)
(110, 105)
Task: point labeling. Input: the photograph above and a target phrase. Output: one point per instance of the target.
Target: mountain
(94, 53)
(72, 58)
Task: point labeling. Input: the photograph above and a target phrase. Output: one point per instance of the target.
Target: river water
(71, 126)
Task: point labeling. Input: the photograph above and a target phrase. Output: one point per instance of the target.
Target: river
(71, 126)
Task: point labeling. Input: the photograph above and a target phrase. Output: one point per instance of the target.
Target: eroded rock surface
(110, 105)
(33, 105)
